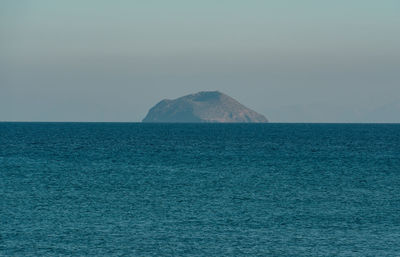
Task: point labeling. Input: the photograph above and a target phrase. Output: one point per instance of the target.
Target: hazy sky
(313, 60)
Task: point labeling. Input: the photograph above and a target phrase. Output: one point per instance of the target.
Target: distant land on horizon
(321, 112)
(203, 107)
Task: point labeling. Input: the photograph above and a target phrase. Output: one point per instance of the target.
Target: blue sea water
(132, 189)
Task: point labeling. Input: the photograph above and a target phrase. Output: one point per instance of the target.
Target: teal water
(131, 189)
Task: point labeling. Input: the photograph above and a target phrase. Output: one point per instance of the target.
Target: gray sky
(293, 61)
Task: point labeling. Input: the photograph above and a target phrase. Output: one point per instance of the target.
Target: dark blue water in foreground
(115, 189)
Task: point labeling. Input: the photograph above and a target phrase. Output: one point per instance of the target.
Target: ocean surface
(132, 189)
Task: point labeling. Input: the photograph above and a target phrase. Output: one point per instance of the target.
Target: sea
(136, 189)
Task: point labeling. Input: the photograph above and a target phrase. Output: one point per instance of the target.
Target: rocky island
(209, 106)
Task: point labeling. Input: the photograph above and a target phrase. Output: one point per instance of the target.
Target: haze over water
(293, 61)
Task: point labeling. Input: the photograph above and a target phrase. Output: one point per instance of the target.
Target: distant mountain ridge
(320, 112)
(206, 106)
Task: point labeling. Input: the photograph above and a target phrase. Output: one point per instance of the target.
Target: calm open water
(131, 189)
